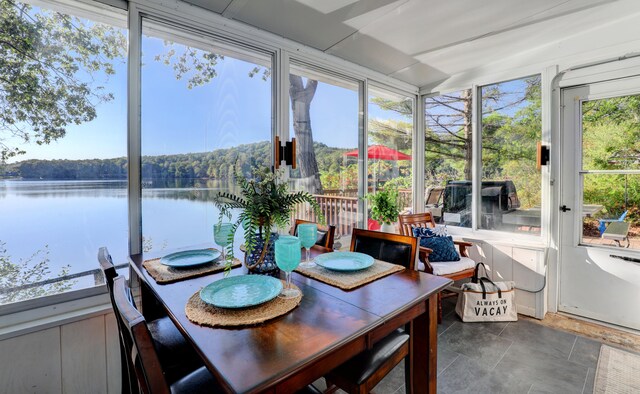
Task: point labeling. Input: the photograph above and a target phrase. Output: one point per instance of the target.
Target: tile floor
(519, 357)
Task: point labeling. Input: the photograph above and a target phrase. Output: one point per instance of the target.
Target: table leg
(424, 349)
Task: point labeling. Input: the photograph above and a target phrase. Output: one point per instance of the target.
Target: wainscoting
(521, 264)
(82, 356)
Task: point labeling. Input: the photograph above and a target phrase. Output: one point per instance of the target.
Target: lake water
(67, 221)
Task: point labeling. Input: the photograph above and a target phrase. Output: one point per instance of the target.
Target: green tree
(50, 67)
(32, 270)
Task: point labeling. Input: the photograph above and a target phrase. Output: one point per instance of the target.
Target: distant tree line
(217, 164)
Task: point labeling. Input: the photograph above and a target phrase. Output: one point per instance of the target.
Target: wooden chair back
(392, 248)
(408, 222)
(129, 384)
(326, 234)
(138, 342)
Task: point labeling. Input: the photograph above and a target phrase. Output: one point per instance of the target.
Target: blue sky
(230, 110)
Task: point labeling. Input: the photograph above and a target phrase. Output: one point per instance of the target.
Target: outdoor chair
(454, 270)
(363, 372)
(616, 230)
(326, 234)
(177, 356)
(603, 223)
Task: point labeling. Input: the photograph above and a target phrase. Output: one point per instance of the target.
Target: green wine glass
(288, 256)
(308, 234)
(221, 235)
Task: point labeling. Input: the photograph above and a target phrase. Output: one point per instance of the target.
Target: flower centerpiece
(384, 208)
(266, 204)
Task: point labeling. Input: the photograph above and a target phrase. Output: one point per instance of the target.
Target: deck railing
(339, 211)
(340, 208)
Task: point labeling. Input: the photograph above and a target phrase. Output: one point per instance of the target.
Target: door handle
(564, 208)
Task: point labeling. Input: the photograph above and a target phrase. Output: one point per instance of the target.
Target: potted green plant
(384, 208)
(266, 204)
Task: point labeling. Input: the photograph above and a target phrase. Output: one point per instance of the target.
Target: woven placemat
(352, 279)
(164, 274)
(200, 312)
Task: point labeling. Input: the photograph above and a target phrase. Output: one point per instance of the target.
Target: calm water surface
(67, 221)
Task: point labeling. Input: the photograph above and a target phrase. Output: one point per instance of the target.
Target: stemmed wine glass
(308, 234)
(288, 256)
(222, 235)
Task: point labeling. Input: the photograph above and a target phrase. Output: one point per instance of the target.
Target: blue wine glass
(308, 234)
(221, 235)
(288, 256)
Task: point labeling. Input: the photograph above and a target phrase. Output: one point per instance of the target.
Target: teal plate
(190, 258)
(241, 291)
(344, 261)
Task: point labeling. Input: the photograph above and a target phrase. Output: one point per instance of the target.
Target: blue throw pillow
(423, 232)
(443, 248)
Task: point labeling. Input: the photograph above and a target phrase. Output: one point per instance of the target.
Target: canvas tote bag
(486, 301)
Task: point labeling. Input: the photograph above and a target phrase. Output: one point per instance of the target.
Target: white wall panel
(84, 356)
(114, 371)
(31, 363)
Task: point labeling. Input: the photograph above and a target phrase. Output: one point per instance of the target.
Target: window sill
(498, 238)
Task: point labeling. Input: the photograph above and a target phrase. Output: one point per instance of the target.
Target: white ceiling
(426, 41)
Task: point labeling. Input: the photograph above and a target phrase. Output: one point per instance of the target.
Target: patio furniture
(454, 270)
(433, 201)
(177, 356)
(602, 225)
(618, 232)
(328, 233)
(329, 327)
(363, 372)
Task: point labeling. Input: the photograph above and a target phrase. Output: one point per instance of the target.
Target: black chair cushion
(363, 366)
(389, 251)
(177, 356)
(199, 381)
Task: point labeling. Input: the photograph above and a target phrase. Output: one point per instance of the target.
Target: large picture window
(511, 128)
(390, 135)
(206, 109)
(324, 119)
(448, 157)
(63, 138)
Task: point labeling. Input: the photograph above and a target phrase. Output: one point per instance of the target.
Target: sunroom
(142, 142)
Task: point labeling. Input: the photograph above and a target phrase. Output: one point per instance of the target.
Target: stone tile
(470, 376)
(547, 373)
(447, 321)
(445, 357)
(392, 381)
(475, 341)
(586, 352)
(588, 384)
(555, 342)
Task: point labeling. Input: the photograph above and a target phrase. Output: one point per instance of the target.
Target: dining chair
(363, 372)
(177, 356)
(392, 248)
(326, 234)
(454, 270)
(141, 352)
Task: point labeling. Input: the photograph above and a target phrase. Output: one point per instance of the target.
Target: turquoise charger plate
(190, 258)
(241, 291)
(344, 261)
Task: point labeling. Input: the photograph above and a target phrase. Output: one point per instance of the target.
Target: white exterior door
(600, 174)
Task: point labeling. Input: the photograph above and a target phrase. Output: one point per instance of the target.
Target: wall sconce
(286, 153)
(542, 155)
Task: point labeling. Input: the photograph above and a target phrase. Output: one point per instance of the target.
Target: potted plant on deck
(266, 204)
(384, 208)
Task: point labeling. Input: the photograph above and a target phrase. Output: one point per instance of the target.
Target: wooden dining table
(329, 327)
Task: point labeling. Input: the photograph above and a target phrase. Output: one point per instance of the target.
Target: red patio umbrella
(381, 152)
